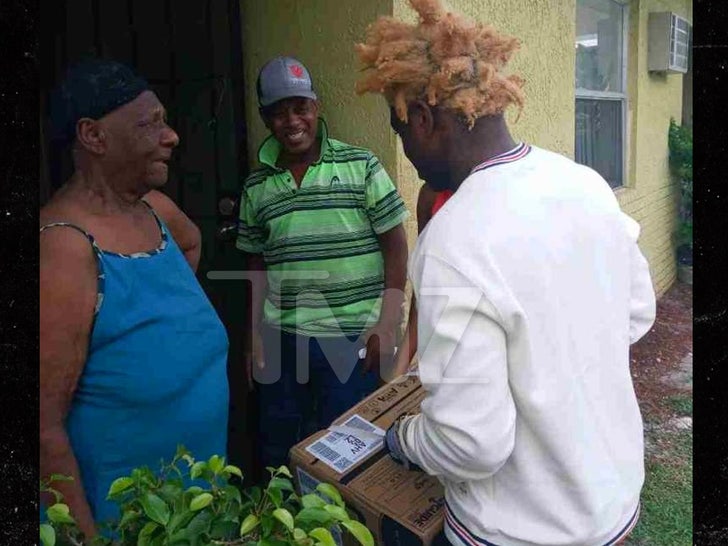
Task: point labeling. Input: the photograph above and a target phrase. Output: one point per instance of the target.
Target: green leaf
(254, 494)
(179, 520)
(200, 501)
(170, 492)
(216, 464)
(232, 492)
(285, 517)
(232, 469)
(197, 469)
(200, 524)
(249, 523)
(331, 492)
(47, 535)
(337, 512)
(267, 523)
(281, 483)
(145, 535)
(59, 513)
(119, 485)
(360, 532)
(128, 517)
(181, 452)
(310, 515)
(275, 496)
(60, 478)
(284, 470)
(299, 534)
(270, 541)
(312, 501)
(155, 508)
(224, 528)
(57, 494)
(195, 490)
(324, 536)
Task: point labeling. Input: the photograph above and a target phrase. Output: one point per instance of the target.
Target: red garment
(440, 199)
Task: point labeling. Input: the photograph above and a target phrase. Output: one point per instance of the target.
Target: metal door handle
(227, 231)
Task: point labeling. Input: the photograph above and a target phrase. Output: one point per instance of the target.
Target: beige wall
(321, 33)
(650, 193)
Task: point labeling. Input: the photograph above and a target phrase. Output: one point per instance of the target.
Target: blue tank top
(156, 371)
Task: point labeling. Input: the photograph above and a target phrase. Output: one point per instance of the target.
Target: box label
(342, 450)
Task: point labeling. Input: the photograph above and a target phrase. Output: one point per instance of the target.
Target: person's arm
(251, 241)
(466, 429)
(394, 251)
(259, 286)
(386, 211)
(184, 231)
(381, 339)
(254, 355)
(643, 307)
(68, 285)
(408, 347)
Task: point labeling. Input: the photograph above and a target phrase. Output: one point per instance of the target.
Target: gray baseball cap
(282, 78)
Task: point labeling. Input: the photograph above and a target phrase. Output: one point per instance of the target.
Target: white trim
(607, 95)
(625, 102)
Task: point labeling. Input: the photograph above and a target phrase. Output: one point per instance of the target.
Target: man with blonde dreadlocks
(530, 289)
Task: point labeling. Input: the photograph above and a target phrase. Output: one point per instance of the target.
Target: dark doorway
(190, 52)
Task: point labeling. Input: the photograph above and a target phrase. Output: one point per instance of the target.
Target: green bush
(680, 142)
(160, 510)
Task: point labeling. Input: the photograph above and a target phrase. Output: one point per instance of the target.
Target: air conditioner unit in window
(668, 42)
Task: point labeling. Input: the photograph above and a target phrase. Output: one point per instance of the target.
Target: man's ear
(91, 136)
(263, 111)
(421, 118)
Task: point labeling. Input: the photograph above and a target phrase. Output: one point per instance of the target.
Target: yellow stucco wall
(650, 193)
(321, 33)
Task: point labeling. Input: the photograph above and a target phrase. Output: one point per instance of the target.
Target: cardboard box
(400, 507)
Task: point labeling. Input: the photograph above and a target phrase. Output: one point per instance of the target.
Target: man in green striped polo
(321, 223)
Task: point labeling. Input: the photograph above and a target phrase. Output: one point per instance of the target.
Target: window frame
(581, 93)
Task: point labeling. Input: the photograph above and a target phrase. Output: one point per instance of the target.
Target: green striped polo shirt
(324, 265)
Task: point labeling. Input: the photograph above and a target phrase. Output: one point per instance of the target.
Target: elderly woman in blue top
(132, 354)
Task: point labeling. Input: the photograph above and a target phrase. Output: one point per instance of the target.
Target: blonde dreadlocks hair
(445, 58)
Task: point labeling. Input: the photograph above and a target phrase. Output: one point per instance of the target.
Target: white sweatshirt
(530, 289)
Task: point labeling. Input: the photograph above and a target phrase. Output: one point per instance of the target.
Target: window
(601, 99)
(680, 32)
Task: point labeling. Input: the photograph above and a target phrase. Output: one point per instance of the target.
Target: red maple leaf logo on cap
(297, 71)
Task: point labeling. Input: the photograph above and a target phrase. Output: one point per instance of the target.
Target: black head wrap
(92, 89)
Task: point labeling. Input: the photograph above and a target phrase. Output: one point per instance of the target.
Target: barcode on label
(323, 451)
(343, 463)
